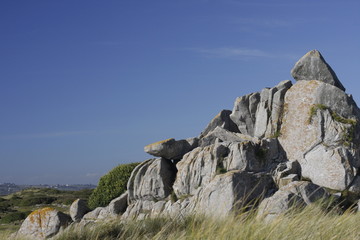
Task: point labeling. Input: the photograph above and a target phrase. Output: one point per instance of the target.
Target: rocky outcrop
(151, 180)
(170, 148)
(295, 194)
(270, 141)
(43, 223)
(312, 66)
(78, 209)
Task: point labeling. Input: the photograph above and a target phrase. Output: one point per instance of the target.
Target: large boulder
(320, 130)
(312, 66)
(295, 194)
(231, 192)
(44, 223)
(170, 148)
(259, 114)
(151, 180)
(78, 209)
(223, 120)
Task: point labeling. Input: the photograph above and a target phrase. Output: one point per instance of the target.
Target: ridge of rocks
(288, 145)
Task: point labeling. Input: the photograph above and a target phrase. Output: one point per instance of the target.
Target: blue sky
(86, 84)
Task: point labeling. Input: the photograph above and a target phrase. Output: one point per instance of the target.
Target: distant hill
(8, 188)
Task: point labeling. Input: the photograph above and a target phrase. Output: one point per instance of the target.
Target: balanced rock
(312, 66)
(44, 223)
(170, 148)
(78, 209)
(295, 194)
(151, 180)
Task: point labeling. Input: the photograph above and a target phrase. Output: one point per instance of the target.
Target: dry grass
(311, 223)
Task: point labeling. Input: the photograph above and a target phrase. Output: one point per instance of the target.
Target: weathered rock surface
(320, 130)
(151, 180)
(116, 207)
(201, 165)
(220, 134)
(222, 120)
(92, 215)
(295, 194)
(44, 223)
(170, 148)
(197, 168)
(232, 191)
(259, 114)
(78, 209)
(312, 66)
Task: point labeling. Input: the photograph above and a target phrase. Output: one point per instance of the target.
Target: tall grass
(310, 223)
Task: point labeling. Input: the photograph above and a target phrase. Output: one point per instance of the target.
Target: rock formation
(288, 145)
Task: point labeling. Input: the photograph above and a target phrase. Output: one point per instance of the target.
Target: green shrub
(14, 216)
(111, 185)
(30, 201)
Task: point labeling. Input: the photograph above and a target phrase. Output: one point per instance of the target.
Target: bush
(14, 216)
(30, 201)
(111, 185)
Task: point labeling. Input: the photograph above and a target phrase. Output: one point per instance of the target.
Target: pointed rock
(312, 66)
(223, 120)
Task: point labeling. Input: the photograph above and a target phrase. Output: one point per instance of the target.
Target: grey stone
(93, 215)
(222, 120)
(44, 223)
(269, 111)
(295, 194)
(288, 179)
(244, 111)
(262, 155)
(170, 148)
(116, 207)
(220, 134)
(319, 130)
(312, 66)
(287, 171)
(78, 209)
(151, 180)
(232, 191)
(197, 168)
(259, 114)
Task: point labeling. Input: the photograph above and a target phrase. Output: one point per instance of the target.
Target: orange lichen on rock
(39, 214)
(159, 142)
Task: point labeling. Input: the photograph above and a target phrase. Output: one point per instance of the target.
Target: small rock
(78, 209)
(44, 223)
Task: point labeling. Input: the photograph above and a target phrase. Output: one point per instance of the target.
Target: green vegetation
(17, 206)
(310, 223)
(111, 185)
(348, 133)
(276, 134)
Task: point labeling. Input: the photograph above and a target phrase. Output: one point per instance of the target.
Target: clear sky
(86, 84)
